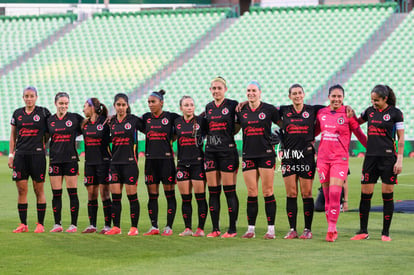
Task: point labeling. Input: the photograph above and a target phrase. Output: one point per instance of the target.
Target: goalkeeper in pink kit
(333, 153)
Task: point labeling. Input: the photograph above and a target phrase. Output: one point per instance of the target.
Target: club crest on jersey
(68, 123)
(99, 127)
(340, 121)
(164, 121)
(386, 117)
(262, 116)
(197, 126)
(36, 118)
(225, 111)
(180, 175)
(305, 114)
(128, 126)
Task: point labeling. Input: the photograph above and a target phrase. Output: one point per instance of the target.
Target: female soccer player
(28, 157)
(381, 159)
(258, 157)
(221, 159)
(124, 168)
(190, 167)
(64, 127)
(97, 159)
(298, 159)
(159, 163)
(333, 153)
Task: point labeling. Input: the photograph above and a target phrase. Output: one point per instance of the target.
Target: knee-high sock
(292, 211)
(153, 209)
(308, 207)
(233, 206)
(171, 207)
(202, 209)
(134, 209)
(116, 209)
(74, 205)
(22, 208)
(57, 205)
(92, 211)
(270, 208)
(252, 210)
(388, 201)
(326, 196)
(364, 208)
(41, 211)
(334, 206)
(187, 209)
(107, 209)
(214, 202)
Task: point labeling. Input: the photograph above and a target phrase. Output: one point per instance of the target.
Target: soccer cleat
(360, 236)
(199, 233)
(56, 228)
(330, 237)
(186, 232)
(89, 229)
(292, 234)
(21, 228)
(229, 235)
(249, 235)
(72, 229)
(385, 238)
(114, 231)
(307, 234)
(269, 236)
(152, 231)
(214, 234)
(167, 231)
(133, 231)
(335, 235)
(105, 229)
(39, 228)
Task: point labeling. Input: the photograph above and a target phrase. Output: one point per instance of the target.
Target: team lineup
(207, 155)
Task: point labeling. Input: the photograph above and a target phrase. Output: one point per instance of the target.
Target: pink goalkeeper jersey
(335, 128)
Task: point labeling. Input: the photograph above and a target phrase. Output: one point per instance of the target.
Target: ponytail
(384, 91)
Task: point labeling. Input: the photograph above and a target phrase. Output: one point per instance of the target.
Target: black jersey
(221, 122)
(63, 132)
(298, 128)
(158, 135)
(382, 126)
(123, 138)
(30, 129)
(190, 139)
(257, 130)
(96, 138)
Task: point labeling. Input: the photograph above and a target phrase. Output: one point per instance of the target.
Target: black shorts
(224, 161)
(379, 166)
(190, 172)
(64, 169)
(33, 165)
(159, 170)
(124, 173)
(304, 167)
(254, 163)
(96, 174)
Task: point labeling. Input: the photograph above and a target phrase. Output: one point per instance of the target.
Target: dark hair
(160, 94)
(336, 86)
(295, 86)
(185, 97)
(384, 91)
(124, 97)
(30, 88)
(61, 94)
(99, 108)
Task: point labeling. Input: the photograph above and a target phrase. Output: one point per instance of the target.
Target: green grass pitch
(78, 253)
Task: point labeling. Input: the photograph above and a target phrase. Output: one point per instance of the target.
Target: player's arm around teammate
(221, 160)
(97, 160)
(259, 157)
(124, 166)
(333, 153)
(190, 165)
(381, 159)
(159, 163)
(27, 156)
(64, 127)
